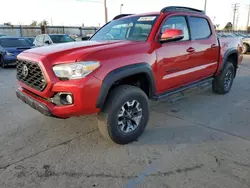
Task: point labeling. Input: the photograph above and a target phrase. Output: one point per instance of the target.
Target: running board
(201, 84)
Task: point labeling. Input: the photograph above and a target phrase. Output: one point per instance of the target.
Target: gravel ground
(202, 140)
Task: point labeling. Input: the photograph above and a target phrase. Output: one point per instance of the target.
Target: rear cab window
(200, 28)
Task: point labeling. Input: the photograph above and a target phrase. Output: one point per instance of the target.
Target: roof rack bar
(121, 16)
(184, 9)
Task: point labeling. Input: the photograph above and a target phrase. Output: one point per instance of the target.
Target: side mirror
(47, 42)
(172, 35)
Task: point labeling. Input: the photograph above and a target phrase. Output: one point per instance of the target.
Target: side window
(37, 39)
(46, 38)
(41, 39)
(177, 22)
(200, 28)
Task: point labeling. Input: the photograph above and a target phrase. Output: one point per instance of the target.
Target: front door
(175, 59)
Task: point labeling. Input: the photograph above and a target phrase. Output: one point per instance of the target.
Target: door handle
(213, 46)
(190, 50)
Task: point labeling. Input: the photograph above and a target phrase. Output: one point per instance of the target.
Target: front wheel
(223, 82)
(245, 48)
(2, 62)
(125, 114)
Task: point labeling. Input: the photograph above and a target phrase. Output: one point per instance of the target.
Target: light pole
(106, 11)
(121, 8)
(214, 20)
(205, 6)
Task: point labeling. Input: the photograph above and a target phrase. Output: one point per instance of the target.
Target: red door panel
(173, 59)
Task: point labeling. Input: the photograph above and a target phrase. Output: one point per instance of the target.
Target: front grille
(31, 75)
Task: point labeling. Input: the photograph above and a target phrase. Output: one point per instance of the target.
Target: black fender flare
(227, 54)
(124, 72)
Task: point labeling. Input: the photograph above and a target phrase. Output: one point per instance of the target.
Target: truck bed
(231, 42)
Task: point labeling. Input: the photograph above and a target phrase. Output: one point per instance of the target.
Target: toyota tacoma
(128, 61)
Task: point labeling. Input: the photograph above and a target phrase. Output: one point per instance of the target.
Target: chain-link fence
(28, 31)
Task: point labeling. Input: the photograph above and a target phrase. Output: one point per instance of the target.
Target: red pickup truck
(130, 60)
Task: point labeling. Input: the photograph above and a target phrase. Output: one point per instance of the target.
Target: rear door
(206, 48)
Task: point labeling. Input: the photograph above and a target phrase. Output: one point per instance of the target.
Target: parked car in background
(246, 45)
(244, 38)
(31, 39)
(10, 47)
(49, 39)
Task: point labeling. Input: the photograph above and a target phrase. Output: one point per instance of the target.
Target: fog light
(66, 98)
(61, 99)
(69, 99)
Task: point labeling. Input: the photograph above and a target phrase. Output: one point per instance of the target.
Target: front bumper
(10, 60)
(85, 95)
(33, 103)
(85, 91)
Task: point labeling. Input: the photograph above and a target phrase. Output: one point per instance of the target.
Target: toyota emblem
(25, 71)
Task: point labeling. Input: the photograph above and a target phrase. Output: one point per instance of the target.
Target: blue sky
(76, 12)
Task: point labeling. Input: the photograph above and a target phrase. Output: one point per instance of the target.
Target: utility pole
(248, 17)
(106, 11)
(236, 23)
(121, 8)
(235, 11)
(214, 20)
(205, 6)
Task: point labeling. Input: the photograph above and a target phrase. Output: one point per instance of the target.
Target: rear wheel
(245, 48)
(223, 82)
(125, 115)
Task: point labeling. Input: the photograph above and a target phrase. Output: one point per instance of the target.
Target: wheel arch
(122, 73)
(248, 44)
(231, 55)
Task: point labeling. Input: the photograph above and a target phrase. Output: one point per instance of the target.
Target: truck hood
(73, 51)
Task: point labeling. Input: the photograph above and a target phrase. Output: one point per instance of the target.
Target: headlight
(9, 54)
(75, 70)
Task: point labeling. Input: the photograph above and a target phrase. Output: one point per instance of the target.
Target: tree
(34, 23)
(8, 24)
(229, 26)
(44, 23)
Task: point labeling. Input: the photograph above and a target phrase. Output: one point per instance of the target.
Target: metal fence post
(21, 32)
(80, 31)
(42, 29)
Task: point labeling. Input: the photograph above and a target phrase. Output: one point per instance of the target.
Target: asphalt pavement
(202, 140)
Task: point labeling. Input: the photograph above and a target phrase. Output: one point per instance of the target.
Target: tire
(245, 48)
(119, 120)
(2, 62)
(222, 83)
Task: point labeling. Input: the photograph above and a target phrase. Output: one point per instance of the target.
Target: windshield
(133, 28)
(61, 38)
(31, 40)
(14, 42)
